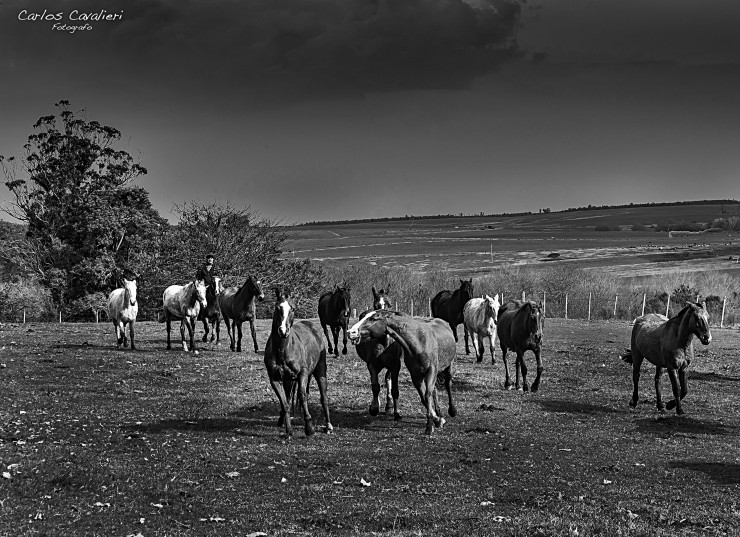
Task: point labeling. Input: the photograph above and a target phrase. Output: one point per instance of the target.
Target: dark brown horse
(295, 352)
(238, 305)
(448, 305)
(428, 352)
(334, 310)
(667, 344)
(211, 314)
(379, 354)
(520, 327)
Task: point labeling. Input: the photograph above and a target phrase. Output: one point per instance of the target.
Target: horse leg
(232, 335)
(238, 328)
(395, 369)
(636, 364)
(507, 381)
(432, 416)
(676, 395)
(344, 339)
(454, 331)
(123, 333)
(465, 332)
(319, 374)
(328, 339)
(131, 333)
(279, 389)
(191, 332)
(254, 335)
(477, 344)
(447, 376)
(388, 390)
(118, 334)
(302, 381)
(205, 330)
(491, 340)
(540, 368)
(521, 367)
(168, 322)
(658, 393)
(375, 385)
(335, 335)
(684, 387)
(217, 327)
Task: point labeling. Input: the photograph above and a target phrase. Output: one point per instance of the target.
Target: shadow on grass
(574, 407)
(711, 377)
(723, 473)
(671, 424)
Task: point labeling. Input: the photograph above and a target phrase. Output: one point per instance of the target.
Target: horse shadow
(672, 424)
(711, 377)
(557, 405)
(722, 473)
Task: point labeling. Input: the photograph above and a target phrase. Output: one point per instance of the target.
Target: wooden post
(396, 305)
(616, 297)
(24, 315)
(96, 316)
(644, 296)
(524, 296)
(566, 305)
(668, 306)
(412, 307)
(722, 319)
(491, 252)
(589, 305)
(544, 303)
(354, 313)
(60, 316)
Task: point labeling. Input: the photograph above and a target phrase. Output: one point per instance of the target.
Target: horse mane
(193, 294)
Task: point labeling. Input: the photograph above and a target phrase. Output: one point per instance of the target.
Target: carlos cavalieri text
(80, 20)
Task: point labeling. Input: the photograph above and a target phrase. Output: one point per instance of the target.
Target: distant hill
(727, 202)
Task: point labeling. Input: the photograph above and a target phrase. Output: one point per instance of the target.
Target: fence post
(589, 305)
(615, 305)
(24, 315)
(722, 319)
(412, 307)
(643, 304)
(96, 316)
(544, 303)
(354, 313)
(566, 305)
(668, 306)
(524, 296)
(60, 316)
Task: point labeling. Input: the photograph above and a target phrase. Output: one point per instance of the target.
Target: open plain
(99, 441)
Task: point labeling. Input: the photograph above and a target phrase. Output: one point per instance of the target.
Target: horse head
(466, 290)
(372, 326)
(282, 317)
(536, 321)
(255, 288)
(492, 306)
(199, 294)
(343, 301)
(380, 299)
(129, 287)
(700, 322)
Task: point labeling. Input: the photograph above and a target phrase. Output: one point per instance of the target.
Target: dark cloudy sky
(334, 109)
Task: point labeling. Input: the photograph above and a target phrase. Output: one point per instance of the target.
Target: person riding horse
(207, 271)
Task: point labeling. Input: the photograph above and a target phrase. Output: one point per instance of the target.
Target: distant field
(478, 245)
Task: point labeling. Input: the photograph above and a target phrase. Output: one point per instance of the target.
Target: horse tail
(627, 356)
(293, 392)
(160, 317)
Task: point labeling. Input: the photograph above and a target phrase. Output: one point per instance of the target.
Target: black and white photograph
(369, 267)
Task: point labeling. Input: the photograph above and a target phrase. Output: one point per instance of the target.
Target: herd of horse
(296, 350)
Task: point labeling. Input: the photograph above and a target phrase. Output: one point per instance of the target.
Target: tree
(243, 243)
(85, 222)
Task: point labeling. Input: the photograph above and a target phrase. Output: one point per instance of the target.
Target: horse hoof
(680, 412)
(329, 428)
(452, 411)
(373, 410)
(397, 416)
(508, 387)
(633, 403)
(535, 387)
(256, 349)
(440, 423)
(310, 430)
(429, 430)
(671, 404)
(478, 360)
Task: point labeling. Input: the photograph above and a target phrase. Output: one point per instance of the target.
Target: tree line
(86, 225)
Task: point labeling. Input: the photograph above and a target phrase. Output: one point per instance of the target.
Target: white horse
(122, 310)
(183, 302)
(480, 320)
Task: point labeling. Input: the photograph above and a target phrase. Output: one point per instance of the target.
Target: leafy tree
(243, 243)
(85, 222)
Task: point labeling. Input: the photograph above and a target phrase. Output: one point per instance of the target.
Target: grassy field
(97, 441)
(478, 245)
